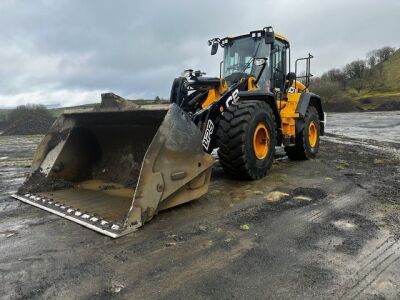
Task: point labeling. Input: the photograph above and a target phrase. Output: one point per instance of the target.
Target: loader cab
(240, 54)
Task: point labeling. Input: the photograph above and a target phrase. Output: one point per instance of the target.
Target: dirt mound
(29, 126)
(37, 183)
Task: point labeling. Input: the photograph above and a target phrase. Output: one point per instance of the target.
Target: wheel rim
(312, 134)
(261, 141)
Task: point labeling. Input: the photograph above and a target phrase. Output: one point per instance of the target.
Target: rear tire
(307, 141)
(247, 139)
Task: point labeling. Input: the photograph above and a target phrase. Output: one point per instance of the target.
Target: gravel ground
(327, 228)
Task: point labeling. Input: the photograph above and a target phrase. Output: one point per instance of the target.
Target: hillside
(391, 71)
(386, 93)
(384, 78)
(362, 85)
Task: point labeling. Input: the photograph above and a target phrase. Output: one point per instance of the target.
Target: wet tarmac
(327, 228)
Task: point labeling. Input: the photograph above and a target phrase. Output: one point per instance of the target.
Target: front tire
(247, 139)
(179, 91)
(307, 141)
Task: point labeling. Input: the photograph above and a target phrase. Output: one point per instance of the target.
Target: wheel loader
(114, 168)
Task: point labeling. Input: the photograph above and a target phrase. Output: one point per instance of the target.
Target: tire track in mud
(337, 203)
(376, 263)
(390, 148)
(371, 266)
(318, 215)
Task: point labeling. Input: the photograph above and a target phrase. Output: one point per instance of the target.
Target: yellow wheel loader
(114, 168)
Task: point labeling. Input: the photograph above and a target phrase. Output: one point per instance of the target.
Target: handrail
(308, 74)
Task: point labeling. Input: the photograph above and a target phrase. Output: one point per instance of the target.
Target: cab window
(278, 65)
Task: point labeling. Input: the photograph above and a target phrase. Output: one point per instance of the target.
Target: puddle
(308, 194)
(379, 126)
(344, 224)
(302, 198)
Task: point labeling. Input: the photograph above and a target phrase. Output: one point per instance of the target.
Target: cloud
(52, 98)
(75, 50)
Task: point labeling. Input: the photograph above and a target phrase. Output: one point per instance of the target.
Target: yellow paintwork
(288, 108)
(214, 94)
(281, 37)
(289, 115)
(312, 134)
(299, 87)
(251, 83)
(261, 141)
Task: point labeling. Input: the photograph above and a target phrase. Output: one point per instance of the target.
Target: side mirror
(269, 37)
(260, 61)
(214, 48)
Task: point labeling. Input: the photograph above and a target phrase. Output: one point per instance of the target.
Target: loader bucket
(112, 171)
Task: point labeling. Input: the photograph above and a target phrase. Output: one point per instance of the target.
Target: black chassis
(208, 119)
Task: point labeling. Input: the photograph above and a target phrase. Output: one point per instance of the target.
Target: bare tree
(325, 88)
(356, 69)
(356, 73)
(384, 53)
(338, 76)
(380, 55)
(372, 59)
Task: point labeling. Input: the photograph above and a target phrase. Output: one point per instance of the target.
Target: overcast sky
(67, 52)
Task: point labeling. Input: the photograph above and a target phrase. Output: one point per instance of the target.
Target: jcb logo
(232, 98)
(207, 134)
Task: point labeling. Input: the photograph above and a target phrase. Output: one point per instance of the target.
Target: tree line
(28, 111)
(359, 75)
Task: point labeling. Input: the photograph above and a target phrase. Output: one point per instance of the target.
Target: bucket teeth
(84, 218)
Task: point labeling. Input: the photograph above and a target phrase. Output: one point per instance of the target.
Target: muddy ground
(333, 234)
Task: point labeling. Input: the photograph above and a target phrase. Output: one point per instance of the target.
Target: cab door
(278, 68)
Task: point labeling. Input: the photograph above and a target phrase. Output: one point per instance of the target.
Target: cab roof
(277, 36)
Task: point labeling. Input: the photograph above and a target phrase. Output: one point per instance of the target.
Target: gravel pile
(29, 126)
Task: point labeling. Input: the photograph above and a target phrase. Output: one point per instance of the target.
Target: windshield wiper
(252, 59)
